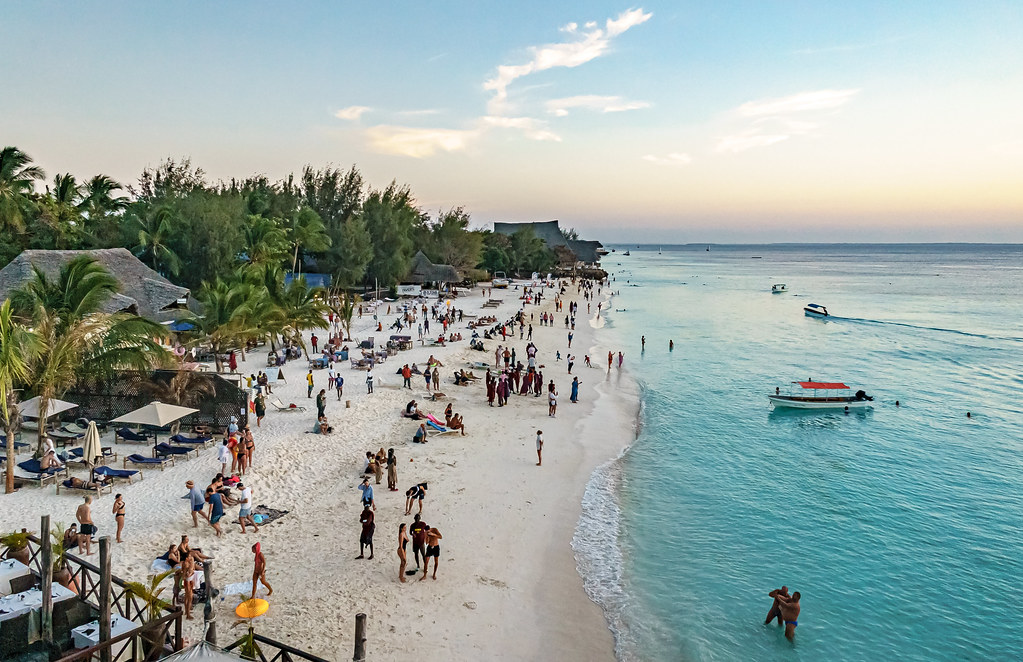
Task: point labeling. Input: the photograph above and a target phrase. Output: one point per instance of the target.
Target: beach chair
(192, 441)
(143, 461)
(129, 436)
(280, 406)
(117, 474)
(164, 449)
(63, 438)
(437, 429)
(98, 487)
(33, 472)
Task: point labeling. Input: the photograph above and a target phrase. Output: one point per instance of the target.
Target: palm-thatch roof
(550, 232)
(141, 290)
(424, 271)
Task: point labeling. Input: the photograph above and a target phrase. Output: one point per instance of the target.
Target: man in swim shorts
(433, 537)
(86, 528)
(418, 532)
(366, 539)
(790, 612)
(413, 493)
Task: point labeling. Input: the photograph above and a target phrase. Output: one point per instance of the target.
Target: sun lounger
(131, 437)
(142, 460)
(118, 474)
(280, 406)
(192, 441)
(97, 487)
(165, 449)
(437, 429)
(33, 472)
(73, 428)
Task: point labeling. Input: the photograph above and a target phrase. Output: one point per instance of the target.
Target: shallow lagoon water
(901, 526)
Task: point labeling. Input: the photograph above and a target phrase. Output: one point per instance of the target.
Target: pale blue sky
(665, 121)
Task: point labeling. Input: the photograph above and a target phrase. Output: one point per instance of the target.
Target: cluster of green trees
(194, 231)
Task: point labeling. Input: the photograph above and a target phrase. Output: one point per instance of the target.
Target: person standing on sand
(367, 493)
(418, 532)
(575, 389)
(118, 511)
(321, 403)
(552, 400)
(309, 383)
(621, 358)
(366, 538)
(392, 470)
(436, 379)
(789, 608)
(259, 572)
(260, 409)
(216, 511)
(428, 376)
(775, 611)
(539, 448)
(339, 384)
(433, 537)
(86, 528)
(570, 336)
(185, 572)
(571, 362)
(369, 381)
(245, 508)
(610, 360)
(402, 555)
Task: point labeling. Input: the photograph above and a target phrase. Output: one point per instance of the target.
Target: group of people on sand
(220, 493)
(377, 463)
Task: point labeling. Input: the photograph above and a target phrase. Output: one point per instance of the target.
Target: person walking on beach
(775, 612)
(671, 345)
(309, 383)
(321, 403)
(339, 384)
(216, 511)
(86, 529)
(539, 448)
(366, 538)
(411, 494)
(369, 381)
(571, 362)
(118, 511)
(642, 341)
(790, 612)
(406, 376)
(610, 360)
(259, 571)
(197, 501)
(575, 389)
(403, 539)
(621, 358)
(245, 509)
(433, 537)
(392, 470)
(570, 336)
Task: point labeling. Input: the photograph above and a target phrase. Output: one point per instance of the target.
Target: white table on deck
(31, 602)
(11, 569)
(86, 636)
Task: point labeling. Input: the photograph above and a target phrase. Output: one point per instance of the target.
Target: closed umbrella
(91, 449)
(155, 414)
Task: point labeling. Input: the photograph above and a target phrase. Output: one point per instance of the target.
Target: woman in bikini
(402, 543)
(250, 445)
(118, 511)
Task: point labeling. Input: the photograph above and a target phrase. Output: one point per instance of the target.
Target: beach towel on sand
(270, 514)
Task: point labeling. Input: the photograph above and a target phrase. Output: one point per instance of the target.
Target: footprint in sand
(493, 582)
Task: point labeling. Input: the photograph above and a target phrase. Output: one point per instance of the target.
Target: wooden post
(46, 568)
(105, 596)
(360, 638)
(208, 613)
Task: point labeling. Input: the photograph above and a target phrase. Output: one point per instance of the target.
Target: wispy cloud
(419, 143)
(600, 104)
(767, 122)
(531, 128)
(351, 113)
(673, 159)
(585, 45)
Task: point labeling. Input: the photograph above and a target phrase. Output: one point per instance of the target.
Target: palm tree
(77, 337)
(227, 312)
(306, 230)
(19, 347)
(17, 182)
(155, 230)
(265, 242)
(61, 212)
(101, 209)
(304, 308)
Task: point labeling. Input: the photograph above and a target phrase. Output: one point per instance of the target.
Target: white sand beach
(507, 587)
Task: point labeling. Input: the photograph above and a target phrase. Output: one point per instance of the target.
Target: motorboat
(500, 280)
(626, 253)
(814, 310)
(778, 288)
(823, 397)
(601, 252)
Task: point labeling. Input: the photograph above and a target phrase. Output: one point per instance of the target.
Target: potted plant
(16, 546)
(150, 594)
(61, 573)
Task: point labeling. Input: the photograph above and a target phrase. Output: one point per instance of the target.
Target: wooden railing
(273, 651)
(148, 643)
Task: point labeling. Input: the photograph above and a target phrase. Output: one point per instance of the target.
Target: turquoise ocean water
(902, 527)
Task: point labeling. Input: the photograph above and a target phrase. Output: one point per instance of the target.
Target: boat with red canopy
(821, 395)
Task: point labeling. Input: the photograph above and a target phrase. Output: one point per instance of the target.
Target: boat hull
(814, 313)
(794, 402)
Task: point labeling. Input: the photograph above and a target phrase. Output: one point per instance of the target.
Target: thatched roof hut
(424, 271)
(141, 290)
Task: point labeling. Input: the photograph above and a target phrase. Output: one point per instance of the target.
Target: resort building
(586, 252)
(141, 291)
(422, 272)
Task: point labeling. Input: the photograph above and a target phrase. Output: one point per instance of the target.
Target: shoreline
(508, 586)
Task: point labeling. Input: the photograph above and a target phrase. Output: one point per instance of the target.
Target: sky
(713, 121)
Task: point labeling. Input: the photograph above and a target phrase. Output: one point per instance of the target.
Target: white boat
(500, 281)
(814, 310)
(778, 288)
(626, 253)
(826, 401)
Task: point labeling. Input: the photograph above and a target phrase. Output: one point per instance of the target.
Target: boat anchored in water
(802, 401)
(778, 288)
(813, 310)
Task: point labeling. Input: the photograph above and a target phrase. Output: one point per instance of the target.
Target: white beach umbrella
(155, 414)
(30, 408)
(91, 449)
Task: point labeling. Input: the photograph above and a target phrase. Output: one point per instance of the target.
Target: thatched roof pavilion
(141, 290)
(424, 271)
